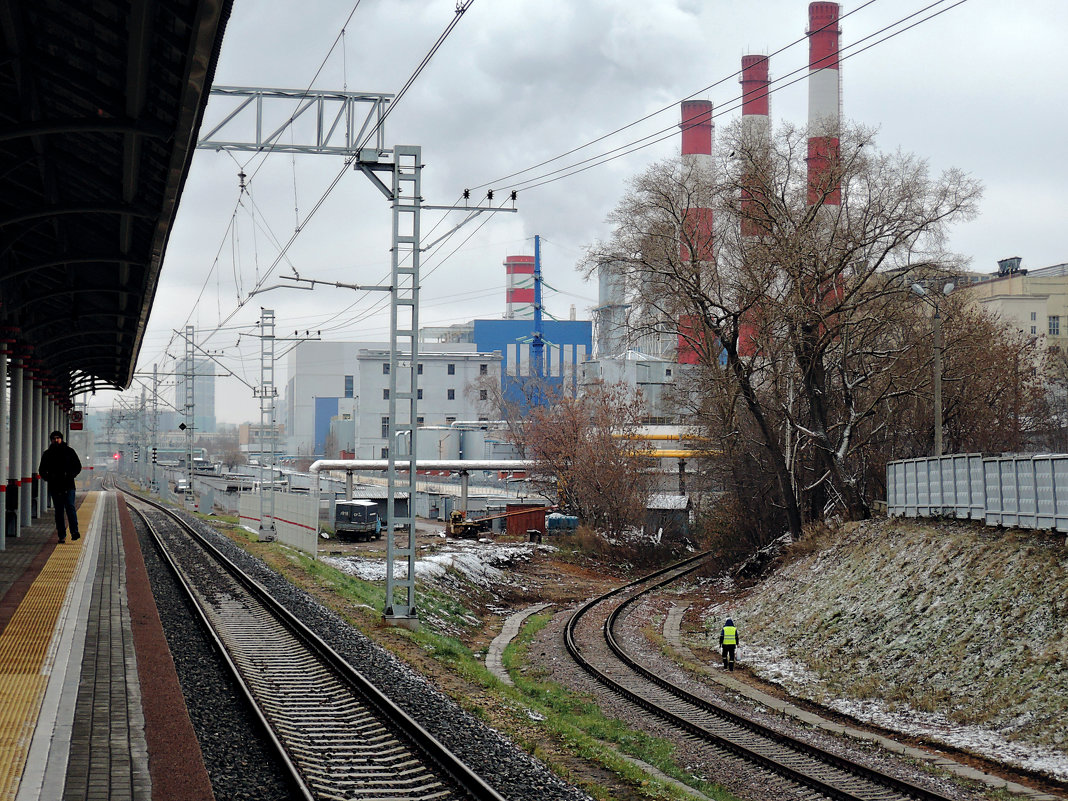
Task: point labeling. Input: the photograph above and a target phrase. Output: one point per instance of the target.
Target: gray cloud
(523, 80)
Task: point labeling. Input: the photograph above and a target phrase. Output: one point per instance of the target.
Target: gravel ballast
(511, 771)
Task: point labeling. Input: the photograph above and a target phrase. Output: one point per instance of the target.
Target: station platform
(90, 705)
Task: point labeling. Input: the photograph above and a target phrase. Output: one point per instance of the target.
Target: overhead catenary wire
(543, 179)
(500, 181)
(796, 75)
(339, 38)
(670, 132)
(460, 9)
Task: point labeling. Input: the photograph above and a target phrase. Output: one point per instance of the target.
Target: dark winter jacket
(59, 466)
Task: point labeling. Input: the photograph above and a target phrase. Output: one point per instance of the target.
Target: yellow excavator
(460, 526)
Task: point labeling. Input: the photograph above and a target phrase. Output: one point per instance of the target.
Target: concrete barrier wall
(295, 518)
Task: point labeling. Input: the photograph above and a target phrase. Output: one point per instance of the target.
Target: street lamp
(936, 322)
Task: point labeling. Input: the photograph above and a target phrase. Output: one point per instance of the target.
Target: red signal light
(115, 457)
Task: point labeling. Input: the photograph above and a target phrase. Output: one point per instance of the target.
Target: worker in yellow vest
(728, 641)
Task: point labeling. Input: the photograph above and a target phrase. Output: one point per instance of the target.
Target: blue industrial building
(566, 345)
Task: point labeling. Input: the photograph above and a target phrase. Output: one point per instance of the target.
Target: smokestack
(697, 223)
(755, 88)
(519, 289)
(824, 100)
(697, 133)
(755, 128)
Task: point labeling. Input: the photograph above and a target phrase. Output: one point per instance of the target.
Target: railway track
(591, 637)
(336, 735)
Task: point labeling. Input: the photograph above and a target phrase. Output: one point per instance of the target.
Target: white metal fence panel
(1022, 491)
(977, 487)
(951, 485)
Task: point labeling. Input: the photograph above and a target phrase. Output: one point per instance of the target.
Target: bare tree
(512, 400)
(229, 449)
(996, 387)
(586, 457)
(808, 310)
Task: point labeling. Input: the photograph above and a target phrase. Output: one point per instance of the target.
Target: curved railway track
(335, 733)
(824, 774)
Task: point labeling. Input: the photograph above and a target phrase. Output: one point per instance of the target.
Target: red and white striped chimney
(754, 82)
(519, 289)
(755, 127)
(824, 101)
(697, 223)
(697, 133)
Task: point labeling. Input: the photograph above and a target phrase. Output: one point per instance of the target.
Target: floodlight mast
(934, 302)
(404, 166)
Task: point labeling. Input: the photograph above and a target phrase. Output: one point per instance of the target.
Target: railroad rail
(801, 763)
(336, 734)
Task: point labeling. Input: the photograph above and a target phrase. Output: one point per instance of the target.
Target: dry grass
(942, 617)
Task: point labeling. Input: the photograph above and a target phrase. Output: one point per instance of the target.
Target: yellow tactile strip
(24, 650)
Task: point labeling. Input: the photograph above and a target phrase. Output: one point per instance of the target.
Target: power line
(460, 9)
(339, 38)
(656, 113)
(670, 132)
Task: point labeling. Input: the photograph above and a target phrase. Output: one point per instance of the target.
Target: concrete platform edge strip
(46, 760)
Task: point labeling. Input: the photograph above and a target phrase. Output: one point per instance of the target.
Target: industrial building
(1033, 301)
(347, 384)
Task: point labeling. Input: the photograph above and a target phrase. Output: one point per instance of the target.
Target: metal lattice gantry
(190, 411)
(350, 124)
(341, 123)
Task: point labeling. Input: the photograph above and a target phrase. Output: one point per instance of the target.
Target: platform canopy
(100, 105)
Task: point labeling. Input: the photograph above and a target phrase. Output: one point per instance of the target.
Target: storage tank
(472, 444)
(438, 442)
(561, 522)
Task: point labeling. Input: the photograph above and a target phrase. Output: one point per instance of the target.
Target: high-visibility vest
(730, 635)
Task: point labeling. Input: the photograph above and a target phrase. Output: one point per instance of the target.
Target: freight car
(357, 520)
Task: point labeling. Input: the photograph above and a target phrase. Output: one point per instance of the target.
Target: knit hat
(730, 622)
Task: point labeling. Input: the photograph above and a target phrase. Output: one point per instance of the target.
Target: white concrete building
(1034, 301)
(327, 380)
(653, 376)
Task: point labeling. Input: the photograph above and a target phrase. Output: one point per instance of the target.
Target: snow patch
(478, 562)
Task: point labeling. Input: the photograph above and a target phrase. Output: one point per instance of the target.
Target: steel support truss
(267, 393)
(340, 123)
(336, 133)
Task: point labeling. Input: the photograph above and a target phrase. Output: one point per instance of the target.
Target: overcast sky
(980, 87)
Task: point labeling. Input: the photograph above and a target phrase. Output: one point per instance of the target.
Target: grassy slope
(968, 620)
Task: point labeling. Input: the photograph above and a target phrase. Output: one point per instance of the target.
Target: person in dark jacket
(59, 466)
(728, 641)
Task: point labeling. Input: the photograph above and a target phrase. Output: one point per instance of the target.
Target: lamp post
(936, 324)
